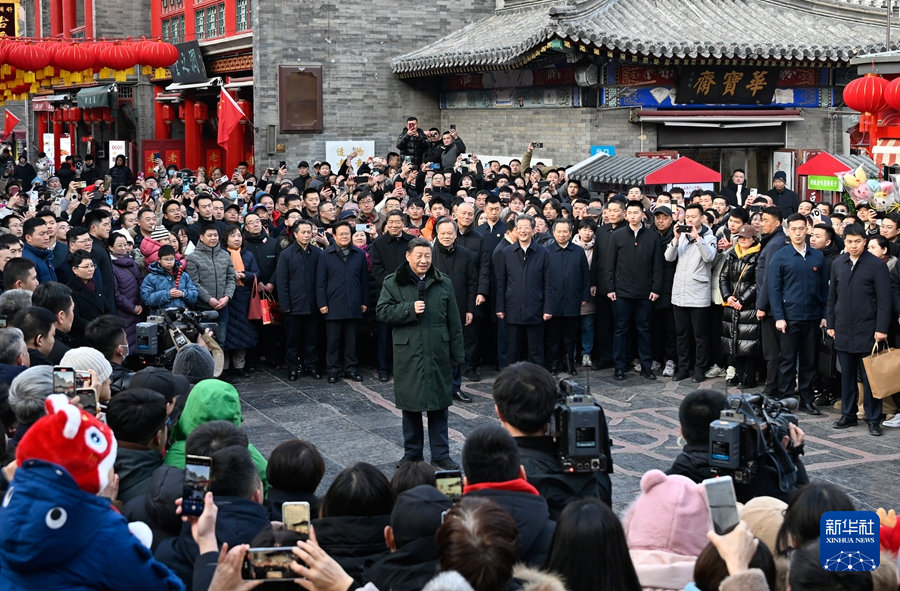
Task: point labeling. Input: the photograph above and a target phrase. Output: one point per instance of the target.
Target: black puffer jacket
(354, 542)
(156, 508)
(740, 328)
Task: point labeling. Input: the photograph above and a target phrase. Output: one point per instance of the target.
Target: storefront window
(222, 19)
(165, 31)
(300, 99)
(210, 22)
(200, 28)
(241, 14)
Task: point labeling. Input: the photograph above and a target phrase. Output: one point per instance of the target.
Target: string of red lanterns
(28, 64)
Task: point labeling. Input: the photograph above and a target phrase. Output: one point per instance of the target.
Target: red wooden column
(155, 18)
(41, 129)
(57, 134)
(68, 17)
(56, 19)
(161, 129)
(193, 139)
(89, 17)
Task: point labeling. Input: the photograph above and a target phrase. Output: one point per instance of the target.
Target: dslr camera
(160, 338)
(578, 425)
(748, 433)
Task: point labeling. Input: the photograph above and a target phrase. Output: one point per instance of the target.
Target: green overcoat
(425, 344)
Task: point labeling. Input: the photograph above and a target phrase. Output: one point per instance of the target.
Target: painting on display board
(337, 152)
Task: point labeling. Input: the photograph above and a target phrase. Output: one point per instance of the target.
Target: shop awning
(826, 164)
(178, 86)
(886, 152)
(98, 96)
(641, 171)
(720, 118)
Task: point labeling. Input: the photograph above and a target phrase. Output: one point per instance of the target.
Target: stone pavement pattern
(357, 422)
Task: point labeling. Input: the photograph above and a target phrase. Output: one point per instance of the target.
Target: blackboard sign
(189, 68)
(737, 85)
(8, 20)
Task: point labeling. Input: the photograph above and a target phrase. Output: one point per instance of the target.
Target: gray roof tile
(825, 30)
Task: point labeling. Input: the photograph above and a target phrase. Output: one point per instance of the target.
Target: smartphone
(685, 229)
(722, 504)
(434, 166)
(196, 484)
(79, 165)
(453, 126)
(362, 227)
(282, 164)
(2, 320)
(140, 176)
(268, 564)
(753, 192)
(295, 516)
(80, 185)
(543, 184)
(595, 211)
(398, 184)
(538, 144)
(410, 125)
(249, 186)
(408, 159)
(156, 155)
(450, 483)
(361, 179)
(89, 399)
(320, 231)
(235, 171)
(83, 379)
(64, 380)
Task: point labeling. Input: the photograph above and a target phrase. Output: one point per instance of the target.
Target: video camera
(749, 432)
(160, 338)
(578, 425)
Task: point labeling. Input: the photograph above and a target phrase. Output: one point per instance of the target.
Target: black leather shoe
(314, 374)
(810, 409)
(554, 370)
(294, 376)
(384, 376)
(648, 373)
(461, 396)
(572, 370)
(620, 374)
(680, 375)
(407, 459)
(735, 381)
(845, 422)
(241, 372)
(472, 376)
(601, 366)
(698, 376)
(875, 429)
(332, 379)
(445, 464)
(353, 375)
(825, 399)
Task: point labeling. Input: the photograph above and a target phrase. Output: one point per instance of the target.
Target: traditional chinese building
(98, 116)
(750, 84)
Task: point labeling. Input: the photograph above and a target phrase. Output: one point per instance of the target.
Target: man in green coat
(418, 301)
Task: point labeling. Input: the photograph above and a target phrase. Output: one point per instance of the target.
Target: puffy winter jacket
(241, 333)
(159, 282)
(212, 272)
(127, 294)
(740, 328)
(691, 288)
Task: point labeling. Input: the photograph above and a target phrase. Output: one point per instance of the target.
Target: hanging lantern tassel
(146, 70)
(6, 70)
(34, 87)
(48, 71)
(159, 73)
(104, 72)
(29, 77)
(121, 75)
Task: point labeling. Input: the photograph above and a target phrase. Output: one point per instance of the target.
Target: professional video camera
(578, 425)
(749, 432)
(160, 338)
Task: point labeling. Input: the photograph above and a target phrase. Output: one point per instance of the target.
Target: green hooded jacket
(210, 400)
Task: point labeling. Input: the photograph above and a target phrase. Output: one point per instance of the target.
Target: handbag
(255, 311)
(271, 313)
(882, 368)
(826, 360)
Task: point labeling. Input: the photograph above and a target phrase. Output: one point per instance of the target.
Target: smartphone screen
(722, 504)
(398, 185)
(64, 381)
(196, 484)
(268, 564)
(89, 399)
(2, 320)
(450, 483)
(83, 379)
(295, 516)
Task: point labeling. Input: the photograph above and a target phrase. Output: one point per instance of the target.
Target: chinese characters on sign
(728, 84)
(189, 68)
(8, 20)
(849, 527)
(849, 540)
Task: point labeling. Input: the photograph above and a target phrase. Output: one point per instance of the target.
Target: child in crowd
(167, 285)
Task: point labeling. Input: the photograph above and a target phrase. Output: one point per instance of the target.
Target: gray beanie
(194, 362)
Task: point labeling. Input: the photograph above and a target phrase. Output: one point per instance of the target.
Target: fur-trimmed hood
(402, 275)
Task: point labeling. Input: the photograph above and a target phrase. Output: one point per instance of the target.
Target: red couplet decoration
(867, 95)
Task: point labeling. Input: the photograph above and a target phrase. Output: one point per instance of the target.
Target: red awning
(823, 164)
(683, 170)
(886, 152)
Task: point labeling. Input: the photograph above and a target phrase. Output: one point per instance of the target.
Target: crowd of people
(425, 265)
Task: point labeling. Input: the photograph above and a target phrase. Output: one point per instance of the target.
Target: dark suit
(488, 331)
(460, 265)
(388, 253)
(572, 279)
(88, 305)
(859, 305)
(295, 280)
(342, 284)
(606, 318)
(525, 292)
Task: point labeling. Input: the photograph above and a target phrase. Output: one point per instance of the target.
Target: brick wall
(354, 44)
(816, 131)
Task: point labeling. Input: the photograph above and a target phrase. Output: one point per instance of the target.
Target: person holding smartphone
(412, 142)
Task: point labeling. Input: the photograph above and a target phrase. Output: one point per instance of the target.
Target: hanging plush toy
(884, 197)
(856, 185)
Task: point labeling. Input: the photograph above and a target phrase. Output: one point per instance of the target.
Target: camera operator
(697, 411)
(525, 397)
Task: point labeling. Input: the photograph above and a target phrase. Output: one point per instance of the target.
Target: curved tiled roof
(823, 30)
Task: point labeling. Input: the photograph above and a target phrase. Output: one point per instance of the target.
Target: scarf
(742, 253)
(92, 287)
(517, 485)
(238, 263)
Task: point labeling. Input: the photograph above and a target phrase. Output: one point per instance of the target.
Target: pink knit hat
(670, 515)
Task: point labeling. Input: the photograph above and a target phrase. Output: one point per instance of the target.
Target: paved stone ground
(352, 422)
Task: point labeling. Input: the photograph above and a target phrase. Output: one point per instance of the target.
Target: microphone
(789, 403)
(209, 315)
(421, 291)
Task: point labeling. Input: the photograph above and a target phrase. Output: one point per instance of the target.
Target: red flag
(229, 116)
(10, 122)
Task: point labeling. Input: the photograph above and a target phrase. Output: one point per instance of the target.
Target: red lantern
(107, 114)
(244, 105)
(201, 112)
(892, 94)
(119, 56)
(74, 115)
(58, 115)
(156, 54)
(181, 111)
(73, 58)
(866, 95)
(88, 116)
(28, 57)
(168, 114)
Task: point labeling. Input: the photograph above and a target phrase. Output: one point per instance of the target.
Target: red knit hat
(74, 440)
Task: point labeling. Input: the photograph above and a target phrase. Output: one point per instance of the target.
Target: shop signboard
(823, 183)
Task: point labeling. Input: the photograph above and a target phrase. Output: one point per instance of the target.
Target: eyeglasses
(88, 267)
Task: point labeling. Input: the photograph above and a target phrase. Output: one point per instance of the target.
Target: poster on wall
(47, 147)
(337, 152)
(116, 148)
(783, 160)
(65, 147)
